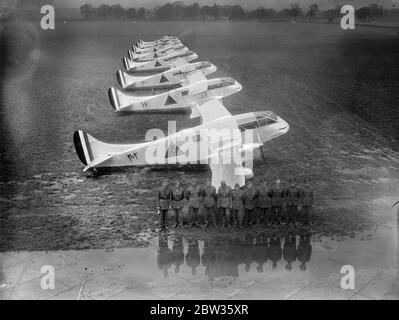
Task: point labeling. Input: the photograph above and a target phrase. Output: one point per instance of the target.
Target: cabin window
(249, 125)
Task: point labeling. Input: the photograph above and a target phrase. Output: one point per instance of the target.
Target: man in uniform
(263, 204)
(164, 197)
(250, 195)
(209, 201)
(177, 196)
(237, 205)
(292, 196)
(306, 201)
(277, 195)
(193, 195)
(225, 202)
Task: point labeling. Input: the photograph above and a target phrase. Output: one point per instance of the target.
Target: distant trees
(131, 14)
(87, 11)
(313, 9)
(295, 10)
(177, 10)
(262, 13)
(372, 11)
(141, 14)
(332, 14)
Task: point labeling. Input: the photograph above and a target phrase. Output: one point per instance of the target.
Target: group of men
(238, 207)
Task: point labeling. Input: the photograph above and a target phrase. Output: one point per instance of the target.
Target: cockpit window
(262, 121)
(227, 82)
(220, 84)
(249, 125)
(186, 54)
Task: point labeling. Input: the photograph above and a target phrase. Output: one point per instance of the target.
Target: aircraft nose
(284, 126)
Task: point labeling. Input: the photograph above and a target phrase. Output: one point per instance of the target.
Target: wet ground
(338, 90)
(179, 266)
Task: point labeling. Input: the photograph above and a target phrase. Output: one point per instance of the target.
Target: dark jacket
(264, 198)
(224, 197)
(249, 196)
(277, 196)
(194, 196)
(237, 199)
(209, 196)
(292, 196)
(177, 196)
(164, 197)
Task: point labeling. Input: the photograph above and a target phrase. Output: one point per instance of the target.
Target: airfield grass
(337, 89)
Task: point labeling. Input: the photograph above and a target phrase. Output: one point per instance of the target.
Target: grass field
(338, 90)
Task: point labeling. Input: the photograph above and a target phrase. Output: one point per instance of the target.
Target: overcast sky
(247, 4)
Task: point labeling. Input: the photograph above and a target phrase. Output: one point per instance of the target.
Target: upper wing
(195, 77)
(209, 110)
(225, 154)
(178, 62)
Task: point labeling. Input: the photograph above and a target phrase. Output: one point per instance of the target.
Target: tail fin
(125, 63)
(120, 78)
(82, 146)
(120, 101)
(130, 54)
(92, 152)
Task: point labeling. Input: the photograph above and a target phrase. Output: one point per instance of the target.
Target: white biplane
(192, 146)
(178, 99)
(178, 76)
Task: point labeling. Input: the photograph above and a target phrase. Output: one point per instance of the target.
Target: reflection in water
(222, 256)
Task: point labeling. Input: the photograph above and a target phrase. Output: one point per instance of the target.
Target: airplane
(177, 76)
(160, 64)
(157, 47)
(156, 54)
(171, 150)
(166, 39)
(179, 99)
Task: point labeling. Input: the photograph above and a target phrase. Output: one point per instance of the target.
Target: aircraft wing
(209, 110)
(178, 62)
(225, 155)
(195, 77)
(225, 159)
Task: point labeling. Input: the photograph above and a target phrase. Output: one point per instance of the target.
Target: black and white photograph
(199, 150)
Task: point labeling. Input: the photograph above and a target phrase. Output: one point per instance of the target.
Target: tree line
(178, 11)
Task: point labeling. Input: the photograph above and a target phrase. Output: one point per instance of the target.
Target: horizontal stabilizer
(97, 162)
